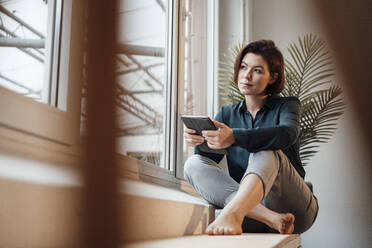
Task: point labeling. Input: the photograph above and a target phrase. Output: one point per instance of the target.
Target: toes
(286, 218)
(286, 224)
(290, 218)
(216, 231)
(228, 230)
(220, 231)
(209, 230)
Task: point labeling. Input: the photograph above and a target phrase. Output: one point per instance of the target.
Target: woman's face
(254, 75)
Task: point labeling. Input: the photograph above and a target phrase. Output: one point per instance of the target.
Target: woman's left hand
(221, 138)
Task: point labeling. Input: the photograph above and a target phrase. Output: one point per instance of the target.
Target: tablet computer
(200, 123)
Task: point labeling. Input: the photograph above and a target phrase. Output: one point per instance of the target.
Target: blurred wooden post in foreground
(349, 26)
(101, 223)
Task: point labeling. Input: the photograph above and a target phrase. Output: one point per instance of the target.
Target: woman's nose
(248, 74)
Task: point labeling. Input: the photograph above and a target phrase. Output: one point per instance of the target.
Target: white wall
(339, 171)
(229, 27)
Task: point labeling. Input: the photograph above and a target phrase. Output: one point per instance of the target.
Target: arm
(277, 137)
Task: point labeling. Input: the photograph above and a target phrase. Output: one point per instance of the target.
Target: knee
(191, 167)
(266, 165)
(266, 155)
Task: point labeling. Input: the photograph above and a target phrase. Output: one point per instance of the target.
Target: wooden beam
(101, 204)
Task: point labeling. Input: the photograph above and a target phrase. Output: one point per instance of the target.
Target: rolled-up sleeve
(279, 136)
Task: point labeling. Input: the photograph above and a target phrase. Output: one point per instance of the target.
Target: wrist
(238, 133)
(231, 138)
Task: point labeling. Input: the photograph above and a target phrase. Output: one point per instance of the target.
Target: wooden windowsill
(19, 144)
(228, 241)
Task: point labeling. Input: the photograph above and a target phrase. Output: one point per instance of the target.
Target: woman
(265, 187)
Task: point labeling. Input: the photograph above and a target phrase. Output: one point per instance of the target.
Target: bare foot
(225, 224)
(283, 223)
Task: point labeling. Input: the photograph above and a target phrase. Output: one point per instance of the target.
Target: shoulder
(292, 99)
(281, 100)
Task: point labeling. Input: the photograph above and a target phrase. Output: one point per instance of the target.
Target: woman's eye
(242, 66)
(258, 70)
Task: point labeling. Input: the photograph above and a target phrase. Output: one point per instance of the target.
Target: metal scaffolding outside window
(29, 46)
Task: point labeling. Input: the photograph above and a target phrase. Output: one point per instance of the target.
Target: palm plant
(308, 75)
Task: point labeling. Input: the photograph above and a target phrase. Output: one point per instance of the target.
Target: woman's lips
(246, 84)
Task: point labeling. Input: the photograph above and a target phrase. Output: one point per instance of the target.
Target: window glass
(141, 74)
(27, 45)
(195, 76)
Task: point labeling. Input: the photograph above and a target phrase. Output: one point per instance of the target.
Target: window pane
(141, 79)
(23, 29)
(195, 82)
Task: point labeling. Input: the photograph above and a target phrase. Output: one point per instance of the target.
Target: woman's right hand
(191, 138)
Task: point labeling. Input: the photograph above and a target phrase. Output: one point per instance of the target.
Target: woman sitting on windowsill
(265, 191)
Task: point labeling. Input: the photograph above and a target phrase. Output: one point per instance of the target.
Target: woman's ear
(273, 78)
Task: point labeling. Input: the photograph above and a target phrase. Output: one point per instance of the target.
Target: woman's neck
(254, 103)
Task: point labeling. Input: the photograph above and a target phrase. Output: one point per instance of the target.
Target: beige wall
(339, 171)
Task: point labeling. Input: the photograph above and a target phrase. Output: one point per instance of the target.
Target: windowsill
(134, 169)
(223, 241)
(58, 192)
(136, 188)
(35, 172)
(33, 150)
(27, 146)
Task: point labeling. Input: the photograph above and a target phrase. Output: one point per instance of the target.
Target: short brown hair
(273, 57)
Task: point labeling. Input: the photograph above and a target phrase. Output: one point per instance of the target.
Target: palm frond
(319, 115)
(308, 74)
(229, 91)
(309, 66)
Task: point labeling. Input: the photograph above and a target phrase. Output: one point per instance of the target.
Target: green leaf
(309, 74)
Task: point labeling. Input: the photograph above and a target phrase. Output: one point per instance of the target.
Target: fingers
(214, 146)
(213, 139)
(219, 124)
(191, 138)
(194, 141)
(208, 133)
(188, 130)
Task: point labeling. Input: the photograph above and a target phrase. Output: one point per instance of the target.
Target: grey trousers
(284, 190)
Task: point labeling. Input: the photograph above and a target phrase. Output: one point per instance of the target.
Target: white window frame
(172, 170)
(212, 87)
(171, 64)
(53, 125)
(25, 115)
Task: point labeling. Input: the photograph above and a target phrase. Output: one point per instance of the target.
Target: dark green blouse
(276, 127)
